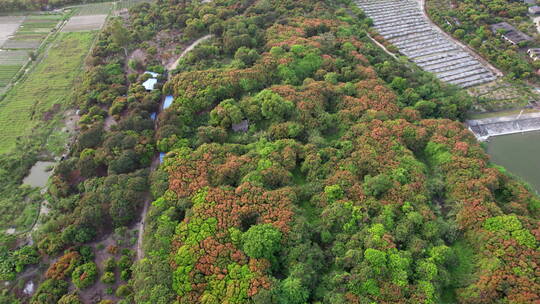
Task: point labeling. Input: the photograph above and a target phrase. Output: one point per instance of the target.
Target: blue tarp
(168, 102)
(153, 115)
(161, 157)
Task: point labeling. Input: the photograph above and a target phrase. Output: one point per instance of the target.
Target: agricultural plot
(32, 31)
(127, 4)
(7, 72)
(8, 26)
(10, 63)
(402, 23)
(50, 83)
(85, 23)
(93, 9)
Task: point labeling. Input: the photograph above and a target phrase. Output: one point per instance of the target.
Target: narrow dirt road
(173, 66)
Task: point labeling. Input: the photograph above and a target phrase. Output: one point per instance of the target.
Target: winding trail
(173, 66)
(155, 161)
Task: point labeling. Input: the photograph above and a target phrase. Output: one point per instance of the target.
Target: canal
(519, 154)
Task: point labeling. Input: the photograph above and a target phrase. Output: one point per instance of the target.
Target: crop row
(49, 83)
(94, 9)
(6, 74)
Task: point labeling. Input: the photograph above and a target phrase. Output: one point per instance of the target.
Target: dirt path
(155, 162)
(140, 225)
(382, 47)
(456, 41)
(187, 50)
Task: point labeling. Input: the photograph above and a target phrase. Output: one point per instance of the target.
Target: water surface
(39, 174)
(520, 154)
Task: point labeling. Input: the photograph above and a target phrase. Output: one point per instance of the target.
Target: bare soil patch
(85, 23)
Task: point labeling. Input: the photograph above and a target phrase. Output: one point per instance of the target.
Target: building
(242, 126)
(534, 10)
(509, 33)
(530, 2)
(150, 84)
(534, 53)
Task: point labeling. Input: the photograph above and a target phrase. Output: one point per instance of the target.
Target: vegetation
(27, 104)
(352, 183)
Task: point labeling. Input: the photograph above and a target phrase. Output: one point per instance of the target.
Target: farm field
(8, 25)
(18, 37)
(127, 4)
(103, 8)
(49, 84)
(32, 31)
(85, 23)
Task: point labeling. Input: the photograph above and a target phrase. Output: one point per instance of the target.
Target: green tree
(273, 106)
(261, 241)
(85, 275)
(291, 291)
(120, 35)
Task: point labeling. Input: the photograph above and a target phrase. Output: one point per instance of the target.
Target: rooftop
(242, 126)
(534, 9)
(510, 32)
(150, 84)
(154, 74)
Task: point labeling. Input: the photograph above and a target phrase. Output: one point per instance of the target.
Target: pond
(519, 154)
(39, 174)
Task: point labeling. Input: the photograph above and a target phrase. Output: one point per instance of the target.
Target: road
(187, 50)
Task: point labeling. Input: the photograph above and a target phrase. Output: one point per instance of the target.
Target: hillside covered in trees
(302, 164)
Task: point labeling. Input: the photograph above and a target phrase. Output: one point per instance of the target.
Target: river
(519, 154)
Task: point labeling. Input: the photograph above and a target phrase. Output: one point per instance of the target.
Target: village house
(510, 33)
(534, 53)
(534, 10)
(150, 83)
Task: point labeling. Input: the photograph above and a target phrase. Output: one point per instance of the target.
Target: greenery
(27, 104)
(353, 182)
(85, 275)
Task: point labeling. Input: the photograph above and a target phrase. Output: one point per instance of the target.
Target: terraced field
(89, 17)
(32, 31)
(48, 84)
(103, 8)
(403, 23)
(127, 4)
(27, 34)
(8, 26)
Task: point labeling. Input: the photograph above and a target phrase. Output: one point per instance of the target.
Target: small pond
(519, 154)
(39, 174)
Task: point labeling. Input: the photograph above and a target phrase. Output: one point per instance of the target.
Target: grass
(460, 274)
(50, 83)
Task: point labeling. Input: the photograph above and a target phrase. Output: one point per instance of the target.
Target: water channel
(519, 154)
